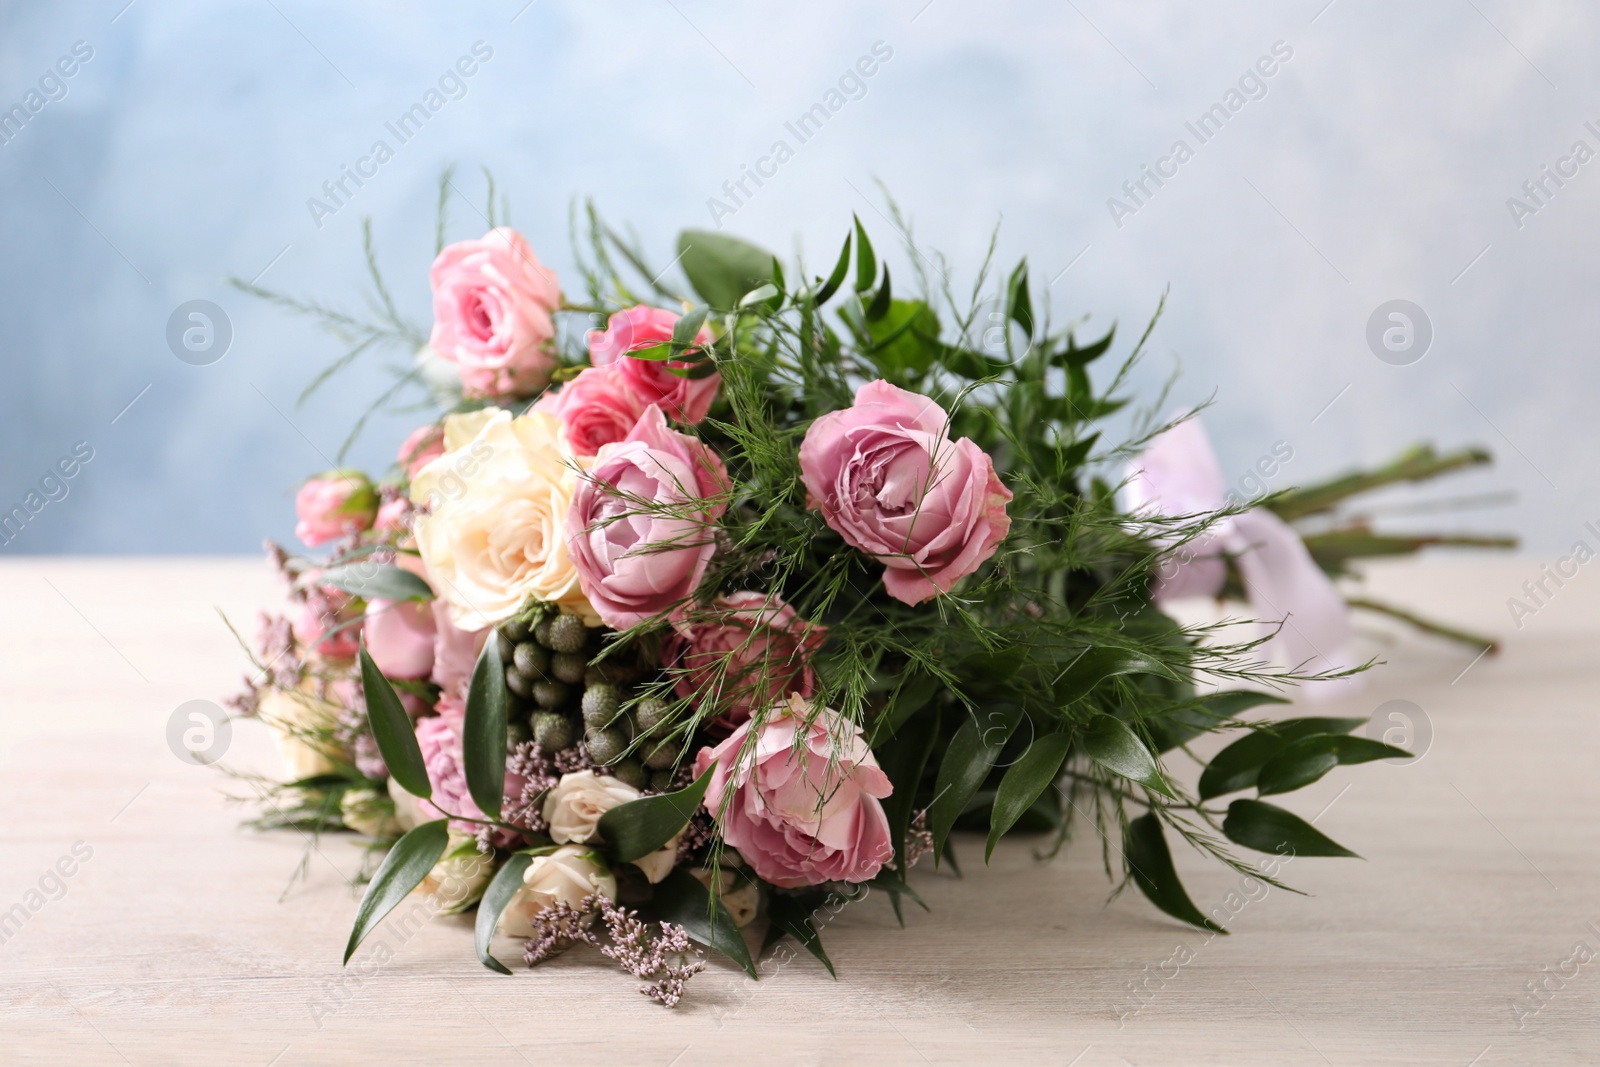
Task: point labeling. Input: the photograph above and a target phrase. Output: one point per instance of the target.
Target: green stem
(1413, 465)
(1465, 637)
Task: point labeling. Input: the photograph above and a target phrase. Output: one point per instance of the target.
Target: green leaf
(880, 300)
(402, 870)
(1019, 305)
(756, 296)
(835, 279)
(1237, 766)
(376, 581)
(1269, 828)
(507, 880)
(392, 730)
(1024, 781)
(970, 364)
(722, 269)
(910, 697)
(906, 337)
(1144, 847)
(1097, 664)
(993, 668)
(681, 899)
(793, 917)
(866, 262)
(1234, 702)
(686, 329)
(483, 740)
(972, 752)
(903, 761)
(1180, 724)
(1111, 743)
(639, 827)
(1074, 356)
(1304, 761)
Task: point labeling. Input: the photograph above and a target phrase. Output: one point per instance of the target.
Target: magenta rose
(802, 807)
(399, 636)
(640, 526)
(492, 308)
(746, 651)
(651, 380)
(421, 447)
(442, 754)
(889, 480)
(332, 505)
(596, 408)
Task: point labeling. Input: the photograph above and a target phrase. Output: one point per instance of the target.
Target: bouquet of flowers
(735, 602)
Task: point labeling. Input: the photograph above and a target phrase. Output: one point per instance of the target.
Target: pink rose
(455, 651)
(442, 754)
(394, 517)
(420, 448)
(399, 637)
(596, 408)
(651, 380)
(332, 505)
(803, 807)
(326, 626)
(747, 651)
(640, 524)
(492, 307)
(889, 480)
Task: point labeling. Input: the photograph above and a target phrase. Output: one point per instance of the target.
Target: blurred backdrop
(1337, 157)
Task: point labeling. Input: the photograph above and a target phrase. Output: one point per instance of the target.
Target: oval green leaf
(1144, 848)
(793, 917)
(972, 752)
(681, 899)
(507, 880)
(722, 269)
(835, 279)
(1096, 665)
(483, 740)
(1111, 743)
(1308, 759)
(376, 581)
(402, 870)
(1269, 828)
(392, 730)
(1024, 781)
(1237, 766)
(866, 262)
(639, 827)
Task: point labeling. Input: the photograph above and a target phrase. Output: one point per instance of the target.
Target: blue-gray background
(1377, 166)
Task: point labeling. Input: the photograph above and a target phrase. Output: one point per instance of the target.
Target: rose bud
(334, 504)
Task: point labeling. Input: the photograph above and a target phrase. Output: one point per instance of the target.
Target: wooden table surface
(169, 944)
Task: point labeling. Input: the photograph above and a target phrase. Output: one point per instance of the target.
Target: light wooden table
(170, 946)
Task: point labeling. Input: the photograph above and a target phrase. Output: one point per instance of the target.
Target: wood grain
(170, 945)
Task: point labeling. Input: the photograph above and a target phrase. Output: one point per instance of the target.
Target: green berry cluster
(560, 698)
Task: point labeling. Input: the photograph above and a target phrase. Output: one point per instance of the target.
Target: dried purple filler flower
(665, 963)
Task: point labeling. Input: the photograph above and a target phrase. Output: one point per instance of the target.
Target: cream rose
(565, 876)
(493, 532)
(458, 880)
(573, 808)
(300, 717)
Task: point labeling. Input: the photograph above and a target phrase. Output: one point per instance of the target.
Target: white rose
(496, 532)
(573, 808)
(565, 876)
(367, 811)
(302, 720)
(658, 864)
(407, 808)
(459, 878)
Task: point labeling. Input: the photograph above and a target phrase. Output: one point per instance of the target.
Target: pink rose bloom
(748, 651)
(651, 380)
(1178, 475)
(455, 651)
(420, 448)
(640, 524)
(399, 637)
(492, 307)
(803, 807)
(332, 505)
(442, 754)
(596, 408)
(326, 626)
(394, 516)
(889, 480)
